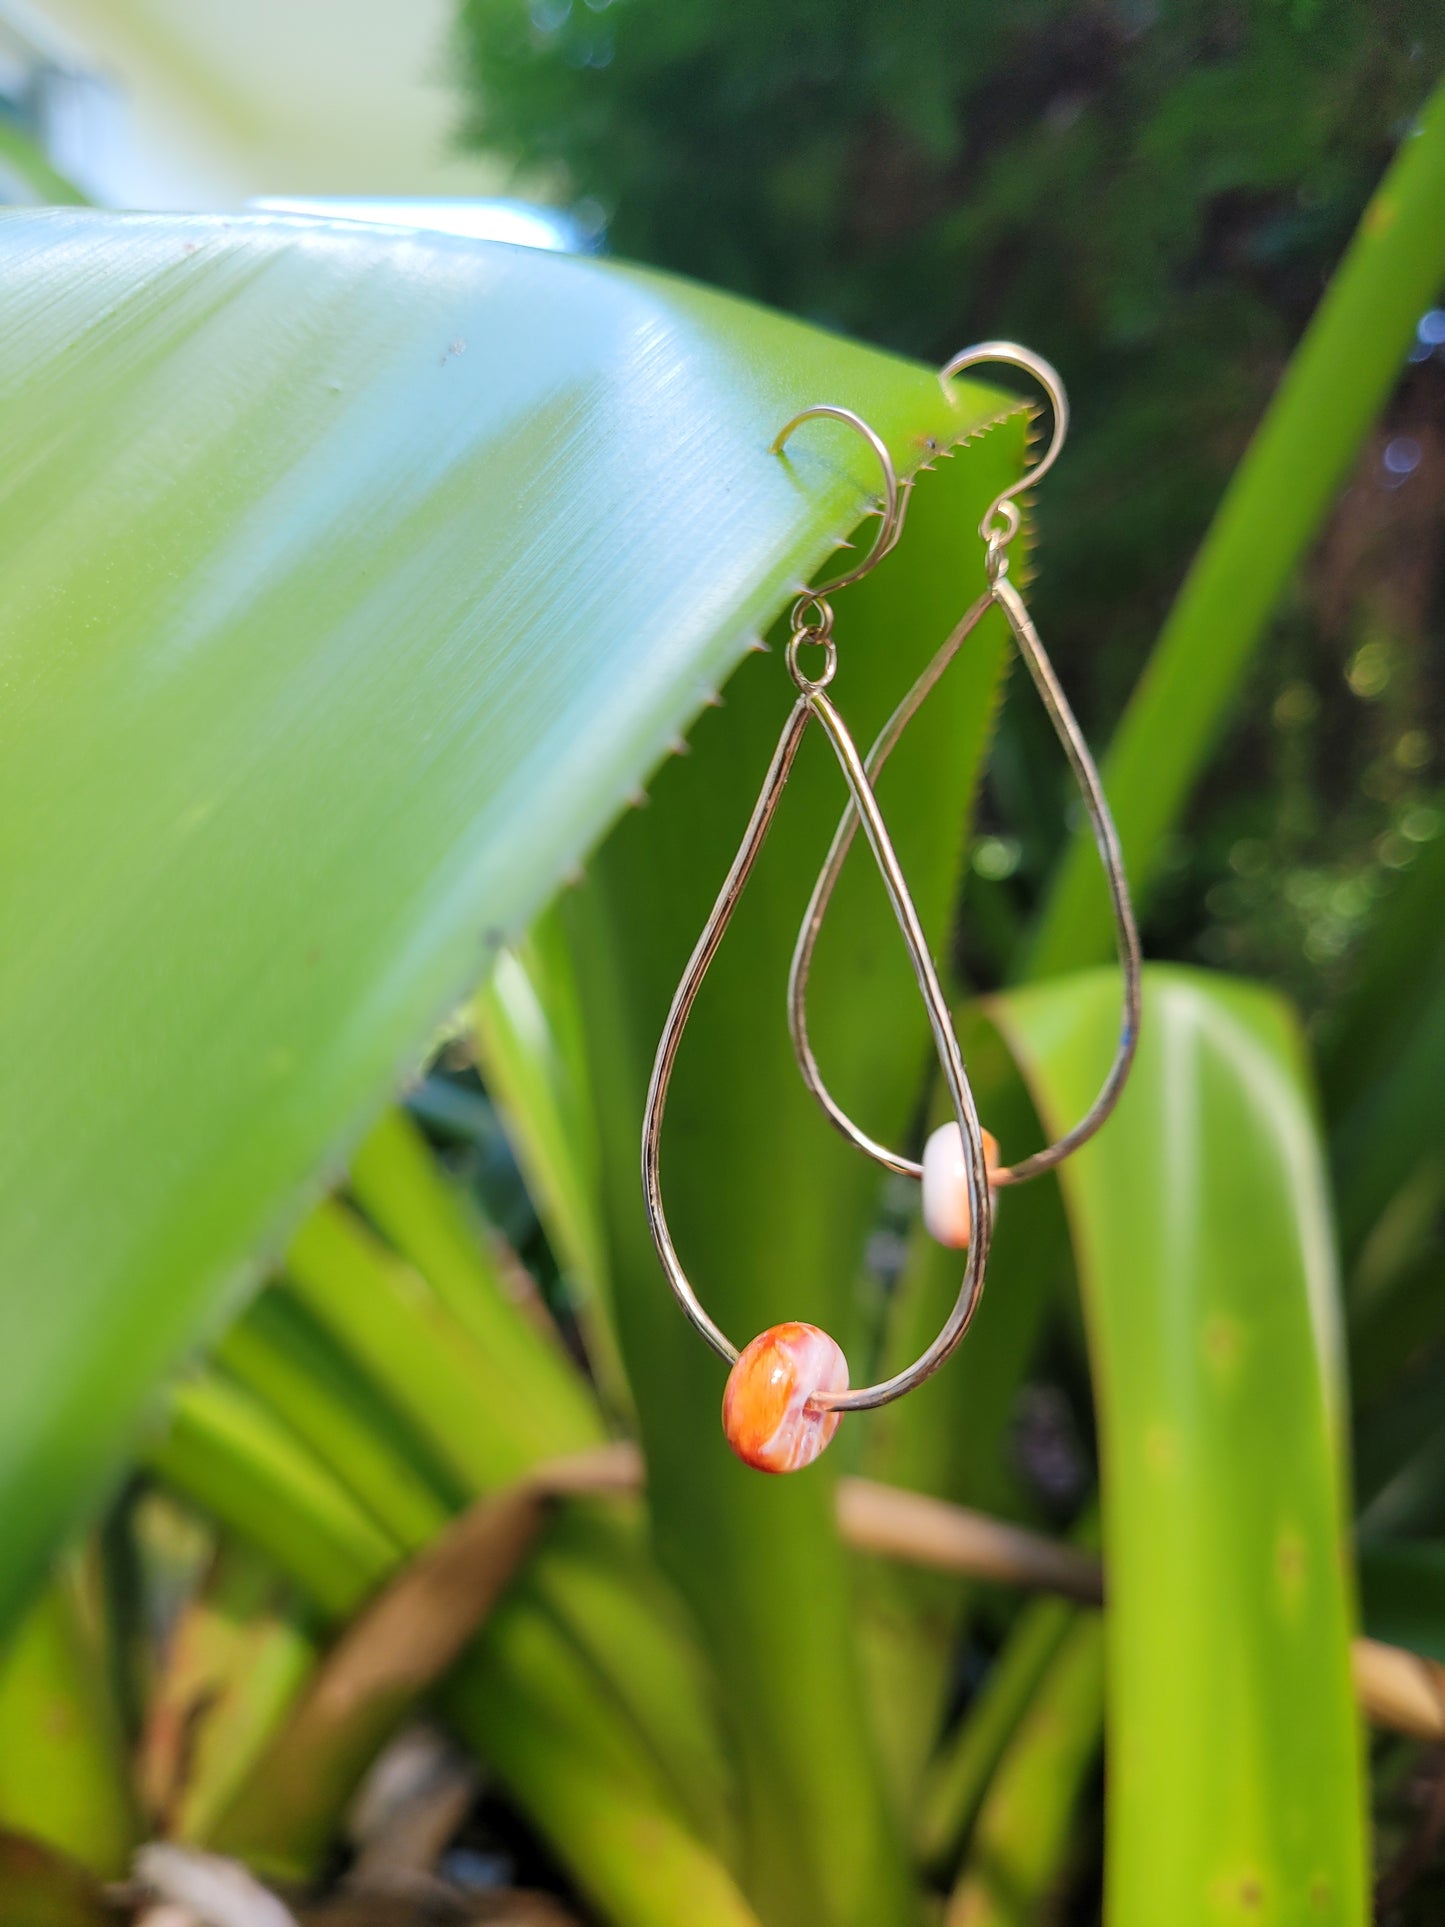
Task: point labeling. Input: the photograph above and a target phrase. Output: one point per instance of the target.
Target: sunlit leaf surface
(1205, 1255)
(349, 584)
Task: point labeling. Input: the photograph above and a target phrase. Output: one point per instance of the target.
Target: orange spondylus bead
(766, 1415)
(945, 1184)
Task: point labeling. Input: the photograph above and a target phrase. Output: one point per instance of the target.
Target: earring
(788, 1388)
(948, 1194)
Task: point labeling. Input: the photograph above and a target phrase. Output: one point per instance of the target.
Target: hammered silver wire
(813, 703)
(999, 526)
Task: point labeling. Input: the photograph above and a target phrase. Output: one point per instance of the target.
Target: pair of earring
(789, 1387)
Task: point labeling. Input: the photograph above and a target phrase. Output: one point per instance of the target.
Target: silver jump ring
(811, 685)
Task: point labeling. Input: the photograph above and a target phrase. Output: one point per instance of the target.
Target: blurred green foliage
(1151, 195)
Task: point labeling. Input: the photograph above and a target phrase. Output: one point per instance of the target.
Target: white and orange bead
(946, 1210)
(766, 1416)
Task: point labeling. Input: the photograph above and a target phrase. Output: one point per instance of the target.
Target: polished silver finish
(813, 623)
(998, 529)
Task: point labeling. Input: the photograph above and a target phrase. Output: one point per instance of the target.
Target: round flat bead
(766, 1416)
(945, 1184)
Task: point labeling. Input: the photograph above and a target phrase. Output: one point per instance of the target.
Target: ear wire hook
(1003, 505)
(894, 498)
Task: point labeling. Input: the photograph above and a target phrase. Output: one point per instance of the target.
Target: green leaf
(769, 1208)
(427, 1358)
(63, 1774)
(950, 1437)
(538, 1708)
(27, 179)
(350, 583)
(288, 1362)
(1023, 1828)
(959, 1777)
(223, 1447)
(527, 1702)
(483, 1422)
(526, 1026)
(959, 1774)
(1204, 1250)
(237, 1657)
(1332, 391)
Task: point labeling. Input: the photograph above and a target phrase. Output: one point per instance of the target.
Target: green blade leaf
(350, 583)
(27, 179)
(241, 1651)
(1023, 1826)
(223, 1446)
(63, 1769)
(1204, 1251)
(950, 1437)
(960, 1775)
(527, 1702)
(526, 1028)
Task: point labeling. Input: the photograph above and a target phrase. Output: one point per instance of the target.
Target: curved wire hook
(895, 499)
(1049, 379)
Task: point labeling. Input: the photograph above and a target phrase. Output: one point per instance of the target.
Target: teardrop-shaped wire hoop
(999, 526)
(813, 623)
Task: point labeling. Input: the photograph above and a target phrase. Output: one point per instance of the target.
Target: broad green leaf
(1332, 391)
(769, 1208)
(63, 1778)
(349, 583)
(1204, 1251)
